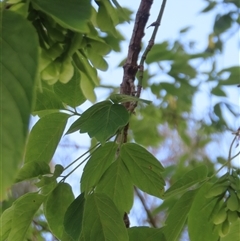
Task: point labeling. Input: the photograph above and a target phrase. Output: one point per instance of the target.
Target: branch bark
(131, 67)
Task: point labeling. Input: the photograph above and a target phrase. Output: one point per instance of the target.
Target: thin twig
(230, 152)
(94, 147)
(149, 214)
(156, 25)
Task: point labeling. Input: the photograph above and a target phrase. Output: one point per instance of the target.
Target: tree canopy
(51, 55)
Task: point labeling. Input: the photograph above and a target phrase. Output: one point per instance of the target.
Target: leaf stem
(94, 147)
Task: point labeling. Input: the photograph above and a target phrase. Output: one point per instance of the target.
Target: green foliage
(19, 62)
(192, 177)
(51, 53)
(56, 203)
(144, 168)
(198, 219)
(101, 121)
(145, 234)
(98, 163)
(106, 225)
(16, 219)
(178, 215)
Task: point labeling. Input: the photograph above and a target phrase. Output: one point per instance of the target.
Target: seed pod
(232, 216)
(67, 71)
(221, 216)
(232, 201)
(225, 227)
(217, 190)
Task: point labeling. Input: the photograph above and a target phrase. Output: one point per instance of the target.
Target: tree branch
(131, 67)
(149, 214)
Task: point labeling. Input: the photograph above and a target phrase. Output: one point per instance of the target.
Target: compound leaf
(102, 220)
(145, 170)
(101, 120)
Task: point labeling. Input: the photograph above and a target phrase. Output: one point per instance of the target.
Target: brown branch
(149, 214)
(131, 67)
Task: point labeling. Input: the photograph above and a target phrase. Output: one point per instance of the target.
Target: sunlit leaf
(104, 20)
(146, 234)
(24, 209)
(6, 223)
(73, 217)
(56, 206)
(70, 93)
(72, 14)
(98, 163)
(47, 100)
(87, 87)
(198, 218)
(102, 220)
(192, 177)
(32, 169)
(178, 215)
(44, 137)
(96, 59)
(116, 183)
(19, 63)
(233, 232)
(101, 120)
(145, 170)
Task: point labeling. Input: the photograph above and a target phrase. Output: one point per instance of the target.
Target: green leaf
(56, 206)
(98, 163)
(116, 184)
(222, 23)
(162, 48)
(104, 19)
(218, 91)
(74, 216)
(24, 209)
(120, 98)
(44, 137)
(145, 170)
(233, 79)
(233, 232)
(198, 218)
(121, 10)
(192, 177)
(6, 223)
(178, 215)
(47, 100)
(32, 169)
(72, 14)
(102, 220)
(87, 87)
(47, 184)
(96, 59)
(19, 63)
(99, 46)
(101, 120)
(84, 66)
(210, 6)
(70, 93)
(146, 234)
